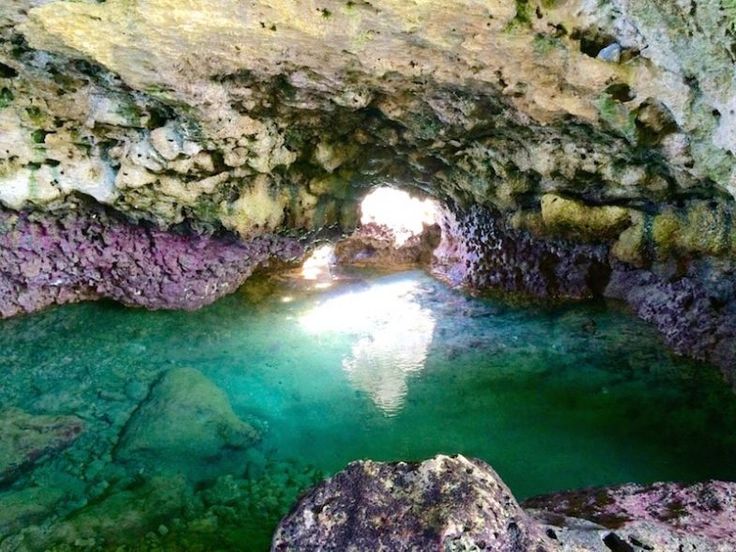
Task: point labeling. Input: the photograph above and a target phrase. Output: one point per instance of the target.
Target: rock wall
(56, 258)
(690, 299)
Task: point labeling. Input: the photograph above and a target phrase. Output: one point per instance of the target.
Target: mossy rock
(573, 218)
(185, 426)
(702, 227)
(631, 244)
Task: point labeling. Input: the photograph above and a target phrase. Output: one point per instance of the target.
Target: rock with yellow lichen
(495, 102)
(574, 218)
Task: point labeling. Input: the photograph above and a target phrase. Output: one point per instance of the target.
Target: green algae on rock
(26, 439)
(185, 424)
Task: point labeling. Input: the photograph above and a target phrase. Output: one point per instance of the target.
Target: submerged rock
(450, 504)
(27, 439)
(119, 517)
(186, 425)
(457, 504)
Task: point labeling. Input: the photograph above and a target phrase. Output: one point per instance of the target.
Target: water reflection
(393, 333)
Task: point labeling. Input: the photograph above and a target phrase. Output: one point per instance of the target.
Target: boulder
(444, 504)
(453, 504)
(186, 425)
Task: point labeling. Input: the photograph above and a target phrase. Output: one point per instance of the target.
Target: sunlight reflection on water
(393, 333)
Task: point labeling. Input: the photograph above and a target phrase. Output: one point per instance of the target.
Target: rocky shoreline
(50, 258)
(691, 300)
(460, 504)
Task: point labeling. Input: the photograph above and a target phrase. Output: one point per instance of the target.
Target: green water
(381, 367)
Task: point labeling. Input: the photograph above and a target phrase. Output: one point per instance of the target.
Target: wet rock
(694, 311)
(63, 258)
(662, 516)
(119, 517)
(447, 503)
(186, 425)
(27, 439)
(19, 509)
(481, 251)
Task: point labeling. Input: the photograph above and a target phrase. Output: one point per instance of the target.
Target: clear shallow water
(386, 367)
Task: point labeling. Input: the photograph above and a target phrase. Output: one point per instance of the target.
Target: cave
(367, 276)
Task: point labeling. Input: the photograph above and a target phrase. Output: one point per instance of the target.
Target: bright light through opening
(318, 266)
(397, 210)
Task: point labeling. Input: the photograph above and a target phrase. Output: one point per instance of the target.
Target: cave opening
(396, 230)
(405, 215)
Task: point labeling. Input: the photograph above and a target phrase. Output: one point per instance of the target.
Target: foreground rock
(664, 516)
(26, 439)
(457, 504)
(442, 504)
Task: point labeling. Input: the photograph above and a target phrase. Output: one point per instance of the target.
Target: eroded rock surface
(441, 504)
(457, 504)
(50, 259)
(662, 516)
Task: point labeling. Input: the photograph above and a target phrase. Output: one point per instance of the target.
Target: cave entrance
(404, 215)
(396, 231)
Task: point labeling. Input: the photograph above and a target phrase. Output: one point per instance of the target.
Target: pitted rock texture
(694, 311)
(456, 504)
(50, 259)
(481, 251)
(441, 504)
(681, 517)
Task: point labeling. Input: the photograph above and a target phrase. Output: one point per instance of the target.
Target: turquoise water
(381, 367)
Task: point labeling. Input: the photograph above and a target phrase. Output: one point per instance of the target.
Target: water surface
(381, 367)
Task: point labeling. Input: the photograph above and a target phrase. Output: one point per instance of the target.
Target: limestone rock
(662, 516)
(447, 503)
(86, 254)
(571, 217)
(186, 422)
(27, 439)
(457, 504)
(375, 246)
